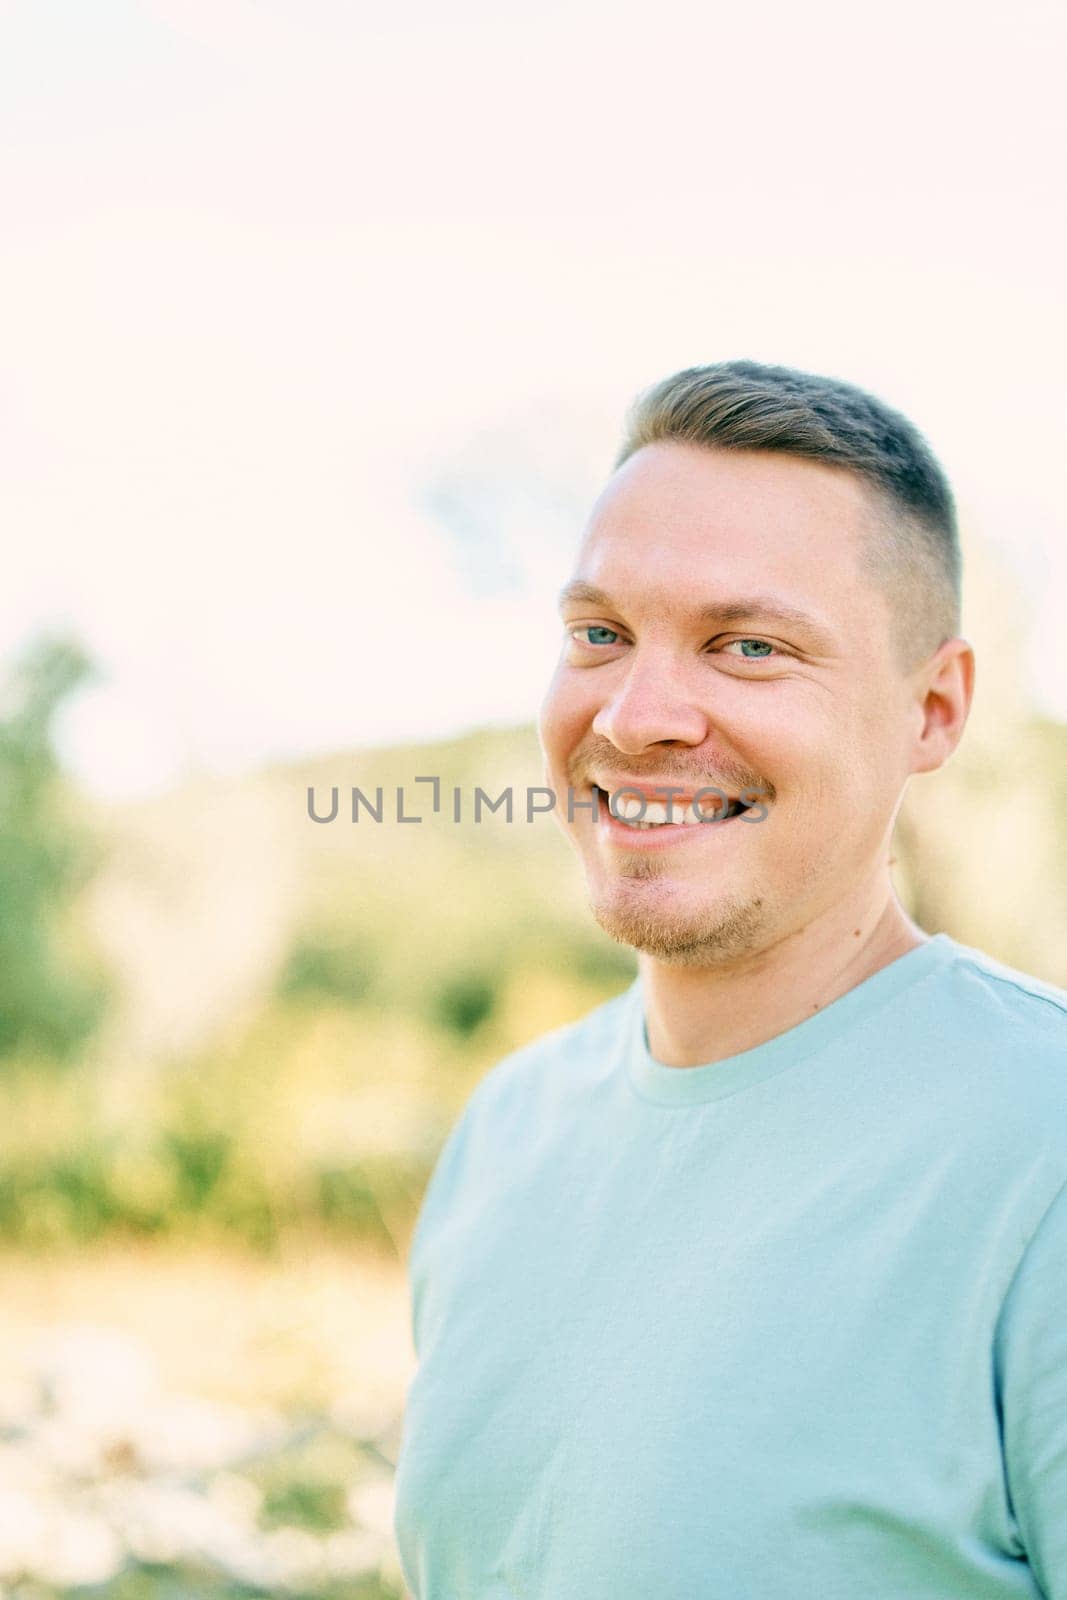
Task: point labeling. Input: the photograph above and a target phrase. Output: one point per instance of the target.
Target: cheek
(563, 719)
(843, 768)
(813, 759)
(875, 746)
(788, 742)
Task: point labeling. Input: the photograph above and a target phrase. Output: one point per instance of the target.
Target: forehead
(681, 521)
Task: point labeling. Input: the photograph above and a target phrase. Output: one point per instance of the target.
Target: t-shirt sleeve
(1031, 1370)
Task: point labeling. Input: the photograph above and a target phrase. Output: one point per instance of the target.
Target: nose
(651, 706)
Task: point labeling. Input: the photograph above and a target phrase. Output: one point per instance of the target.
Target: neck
(698, 1015)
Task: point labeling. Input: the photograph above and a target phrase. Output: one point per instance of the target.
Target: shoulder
(1005, 1005)
(518, 1099)
(557, 1066)
(995, 1056)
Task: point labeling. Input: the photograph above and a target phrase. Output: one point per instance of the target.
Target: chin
(695, 939)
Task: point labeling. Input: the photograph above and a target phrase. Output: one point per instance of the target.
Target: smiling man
(752, 1284)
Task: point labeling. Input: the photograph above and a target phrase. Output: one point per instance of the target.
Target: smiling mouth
(653, 814)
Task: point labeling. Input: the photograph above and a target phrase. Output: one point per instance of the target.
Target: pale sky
(319, 327)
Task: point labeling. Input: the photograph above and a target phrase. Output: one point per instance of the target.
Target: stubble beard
(722, 932)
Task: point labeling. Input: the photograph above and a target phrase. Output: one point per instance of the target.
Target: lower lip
(669, 836)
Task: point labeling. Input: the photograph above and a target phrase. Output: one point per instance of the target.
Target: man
(752, 1284)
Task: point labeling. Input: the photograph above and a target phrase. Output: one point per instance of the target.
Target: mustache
(672, 774)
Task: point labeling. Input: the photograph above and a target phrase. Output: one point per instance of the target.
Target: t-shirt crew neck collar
(686, 1086)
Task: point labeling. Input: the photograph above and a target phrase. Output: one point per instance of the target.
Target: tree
(48, 1002)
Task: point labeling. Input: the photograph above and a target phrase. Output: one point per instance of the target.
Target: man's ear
(944, 689)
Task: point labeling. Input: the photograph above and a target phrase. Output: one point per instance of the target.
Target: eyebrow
(737, 608)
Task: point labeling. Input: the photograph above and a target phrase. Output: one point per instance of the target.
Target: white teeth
(653, 813)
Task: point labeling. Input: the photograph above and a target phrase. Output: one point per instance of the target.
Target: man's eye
(586, 635)
(763, 649)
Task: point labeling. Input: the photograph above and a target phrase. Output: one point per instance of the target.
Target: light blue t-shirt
(788, 1326)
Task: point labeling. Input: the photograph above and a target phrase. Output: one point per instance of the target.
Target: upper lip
(656, 791)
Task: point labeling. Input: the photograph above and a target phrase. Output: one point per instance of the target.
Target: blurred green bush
(51, 996)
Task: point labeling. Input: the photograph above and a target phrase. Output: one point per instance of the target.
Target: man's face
(657, 685)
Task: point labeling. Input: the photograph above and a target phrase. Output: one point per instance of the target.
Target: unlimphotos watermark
(626, 804)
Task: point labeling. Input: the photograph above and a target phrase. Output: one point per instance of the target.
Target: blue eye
(611, 635)
(762, 644)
